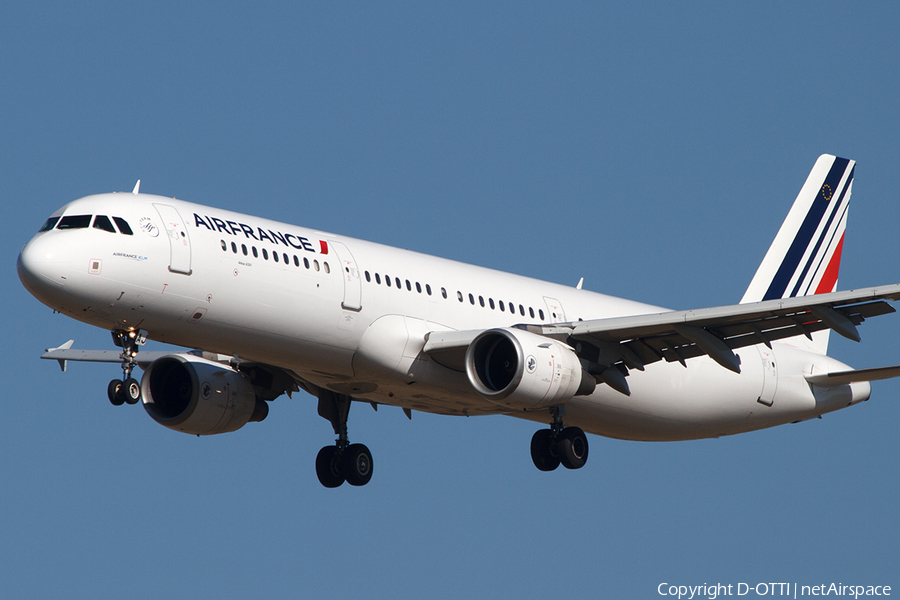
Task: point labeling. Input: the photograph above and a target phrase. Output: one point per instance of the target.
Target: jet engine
(199, 396)
(523, 370)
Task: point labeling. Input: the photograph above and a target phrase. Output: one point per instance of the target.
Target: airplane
(269, 308)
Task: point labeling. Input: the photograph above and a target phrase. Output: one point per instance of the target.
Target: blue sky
(652, 149)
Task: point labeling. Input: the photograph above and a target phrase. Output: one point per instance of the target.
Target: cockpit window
(49, 224)
(103, 222)
(123, 225)
(74, 222)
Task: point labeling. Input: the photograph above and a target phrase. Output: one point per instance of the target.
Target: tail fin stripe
(829, 279)
(807, 230)
(839, 207)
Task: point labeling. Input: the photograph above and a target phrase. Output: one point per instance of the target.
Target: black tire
(328, 467)
(572, 448)
(115, 391)
(132, 390)
(357, 464)
(542, 451)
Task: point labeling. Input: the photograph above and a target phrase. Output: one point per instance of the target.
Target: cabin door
(179, 242)
(350, 275)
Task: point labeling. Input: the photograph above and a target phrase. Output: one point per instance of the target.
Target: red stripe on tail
(829, 279)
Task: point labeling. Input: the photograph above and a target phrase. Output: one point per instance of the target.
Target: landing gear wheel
(543, 451)
(572, 448)
(328, 467)
(132, 390)
(356, 463)
(115, 391)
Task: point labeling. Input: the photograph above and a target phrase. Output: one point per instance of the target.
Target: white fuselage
(324, 310)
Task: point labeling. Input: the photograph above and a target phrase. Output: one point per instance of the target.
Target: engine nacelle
(523, 370)
(198, 396)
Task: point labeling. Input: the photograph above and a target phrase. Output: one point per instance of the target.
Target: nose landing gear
(128, 389)
(567, 446)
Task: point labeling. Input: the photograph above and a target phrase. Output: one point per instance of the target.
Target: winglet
(137, 188)
(63, 363)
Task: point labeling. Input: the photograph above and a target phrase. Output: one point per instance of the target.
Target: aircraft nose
(42, 266)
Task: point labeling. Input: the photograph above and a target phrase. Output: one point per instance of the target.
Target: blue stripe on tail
(807, 230)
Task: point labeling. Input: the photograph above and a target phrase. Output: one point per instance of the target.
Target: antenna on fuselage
(137, 188)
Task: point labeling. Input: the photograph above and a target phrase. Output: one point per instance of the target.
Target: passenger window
(265, 254)
(397, 281)
(368, 277)
(327, 268)
(103, 222)
(531, 312)
(306, 262)
(522, 310)
(316, 265)
(541, 314)
(49, 224)
(501, 305)
(491, 302)
(427, 289)
(255, 252)
(387, 280)
(123, 225)
(275, 256)
(471, 299)
(408, 286)
(377, 278)
(444, 293)
(296, 261)
(459, 296)
(224, 245)
(285, 257)
(481, 301)
(418, 287)
(244, 249)
(75, 222)
(234, 247)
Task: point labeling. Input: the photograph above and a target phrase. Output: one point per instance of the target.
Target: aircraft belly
(671, 402)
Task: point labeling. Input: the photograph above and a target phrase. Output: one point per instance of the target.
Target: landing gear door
(350, 274)
(179, 242)
(555, 312)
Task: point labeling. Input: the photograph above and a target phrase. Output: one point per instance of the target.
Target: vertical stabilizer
(805, 257)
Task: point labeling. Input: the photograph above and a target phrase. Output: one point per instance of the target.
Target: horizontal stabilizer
(65, 353)
(110, 356)
(845, 377)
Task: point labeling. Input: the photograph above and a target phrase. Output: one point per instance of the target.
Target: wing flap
(678, 335)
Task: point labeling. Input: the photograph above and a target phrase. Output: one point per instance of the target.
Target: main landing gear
(559, 445)
(127, 389)
(343, 461)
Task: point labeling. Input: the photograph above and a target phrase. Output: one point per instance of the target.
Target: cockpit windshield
(103, 222)
(74, 222)
(49, 224)
(84, 221)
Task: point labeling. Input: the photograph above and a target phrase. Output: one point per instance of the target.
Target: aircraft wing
(678, 335)
(637, 340)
